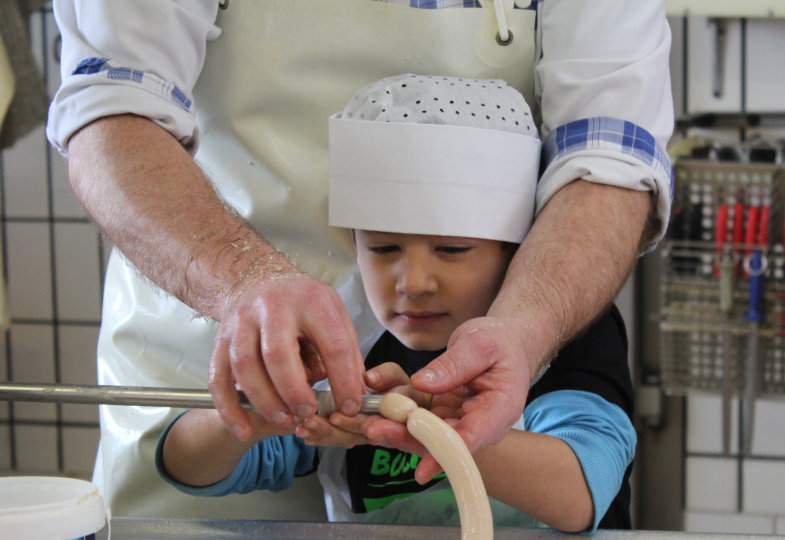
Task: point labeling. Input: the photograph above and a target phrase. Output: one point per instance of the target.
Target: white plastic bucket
(49, 507)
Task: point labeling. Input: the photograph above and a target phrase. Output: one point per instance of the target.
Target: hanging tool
(751, 232)
(725, 268)
(720, 42)
(738, 227)
(755, 266)
(694, 228)
(142, 396)
(720, 237)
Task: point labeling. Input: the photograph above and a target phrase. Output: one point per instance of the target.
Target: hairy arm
(580, 251)
(280, 328)
(576, 257)
(132, 178)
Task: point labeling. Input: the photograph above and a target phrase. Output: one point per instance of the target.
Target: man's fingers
(250, 371)
(314, 367)
(221, 385)
(280, 351)
(458, 365)
(330, 330)
(276, 343)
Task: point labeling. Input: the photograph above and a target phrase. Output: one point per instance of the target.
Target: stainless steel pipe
(191, 398)
(143, 396)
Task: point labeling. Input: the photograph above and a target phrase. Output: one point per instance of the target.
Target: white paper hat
(435, 155)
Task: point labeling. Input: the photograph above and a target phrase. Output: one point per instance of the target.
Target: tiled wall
(732, 494)
(53, 261)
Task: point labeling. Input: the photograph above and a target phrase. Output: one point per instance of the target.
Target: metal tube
(143, 396)
(192, 398)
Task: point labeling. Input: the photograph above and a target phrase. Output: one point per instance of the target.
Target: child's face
(422, 287)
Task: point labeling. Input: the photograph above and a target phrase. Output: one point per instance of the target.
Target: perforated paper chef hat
(435, 155)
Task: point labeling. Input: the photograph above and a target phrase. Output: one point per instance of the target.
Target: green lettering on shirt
(381, 462)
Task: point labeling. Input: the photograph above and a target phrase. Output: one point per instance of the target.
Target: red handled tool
(737, 234)
(751, 232)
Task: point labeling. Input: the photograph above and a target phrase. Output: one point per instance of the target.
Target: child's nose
(416, 278)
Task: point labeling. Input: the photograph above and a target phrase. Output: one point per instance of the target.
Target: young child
(436, 178)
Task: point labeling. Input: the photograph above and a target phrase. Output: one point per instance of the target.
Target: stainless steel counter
(170, 529)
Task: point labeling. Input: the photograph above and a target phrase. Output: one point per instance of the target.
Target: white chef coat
(605, 58)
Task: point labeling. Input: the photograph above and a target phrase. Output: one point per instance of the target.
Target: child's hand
(390, 377)
(386, 378)
(339, 430)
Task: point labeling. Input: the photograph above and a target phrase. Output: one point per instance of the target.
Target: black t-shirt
(594, 362)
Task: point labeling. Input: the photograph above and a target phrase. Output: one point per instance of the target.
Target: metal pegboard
(718, 217)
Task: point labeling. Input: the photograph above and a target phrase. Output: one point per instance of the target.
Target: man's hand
(383, 432)
(485, 353)
(283, 330)
(279, 326)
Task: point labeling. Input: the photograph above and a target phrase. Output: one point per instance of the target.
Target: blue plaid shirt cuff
(609, 134)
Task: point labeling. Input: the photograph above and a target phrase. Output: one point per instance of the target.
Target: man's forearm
(576, 257)
(152, 200)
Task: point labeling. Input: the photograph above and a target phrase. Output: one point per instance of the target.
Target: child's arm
(571, 458)
(566, 466)
(199, 450)
(541, 476)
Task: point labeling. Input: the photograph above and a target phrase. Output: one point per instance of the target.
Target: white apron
(270, 82)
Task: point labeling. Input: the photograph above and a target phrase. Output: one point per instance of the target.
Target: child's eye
(383, 250)
(452, 250)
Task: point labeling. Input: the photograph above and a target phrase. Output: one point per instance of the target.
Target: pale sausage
(449, 450)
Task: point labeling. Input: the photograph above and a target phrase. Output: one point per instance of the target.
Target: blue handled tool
(755, 314)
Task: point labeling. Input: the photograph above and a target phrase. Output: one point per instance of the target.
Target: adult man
(250, 248)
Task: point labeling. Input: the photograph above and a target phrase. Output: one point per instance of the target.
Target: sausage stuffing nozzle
(371, 403)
